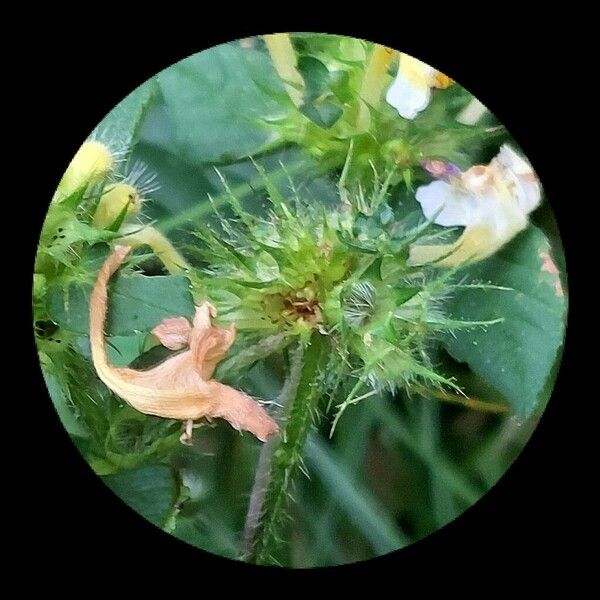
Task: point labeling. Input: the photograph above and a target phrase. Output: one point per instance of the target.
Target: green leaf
(404, 294)
(385, 214)
(123, 350)
(65, 412)
(239, 362)
(136, 303)
(150, 358)
(219, 101)
(152, 491)
(316, 77)
(62, 230)
(320, 104)
(324, 112)
(516, 356)
(134, 439)
(440, 465)
(122, 124)
(79, 396)
(116, 224)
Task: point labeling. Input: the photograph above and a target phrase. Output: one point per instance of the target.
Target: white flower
(411, 91)
(491, 202)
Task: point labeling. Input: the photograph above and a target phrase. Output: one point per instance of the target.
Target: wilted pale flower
(411, 91)
(182, 386)
(491, 202)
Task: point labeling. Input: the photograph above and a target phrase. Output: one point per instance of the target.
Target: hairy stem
(282, 457)
(287, 395)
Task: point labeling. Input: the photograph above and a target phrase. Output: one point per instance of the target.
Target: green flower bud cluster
(326, 113)
(342, 272)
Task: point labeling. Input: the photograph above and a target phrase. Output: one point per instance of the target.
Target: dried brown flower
(180, 387)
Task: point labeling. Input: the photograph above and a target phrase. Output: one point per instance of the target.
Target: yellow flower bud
(112, 203)
(92, 162)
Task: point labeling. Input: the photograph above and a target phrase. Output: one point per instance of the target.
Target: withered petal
(242, 412)
(180, 387)
(173, 332)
